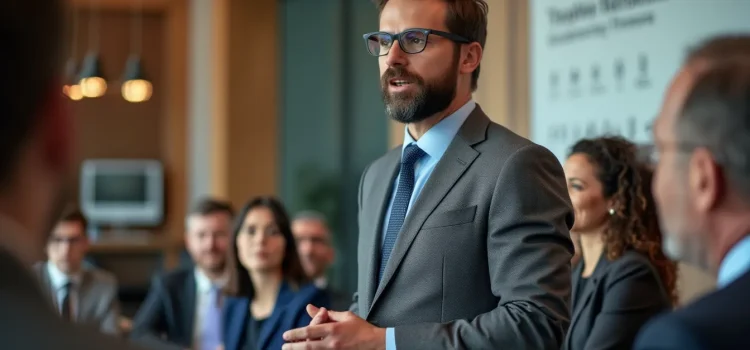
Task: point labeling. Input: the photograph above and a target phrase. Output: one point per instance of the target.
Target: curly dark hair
(634, 224)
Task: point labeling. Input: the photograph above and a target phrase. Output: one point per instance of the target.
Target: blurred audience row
(261, 256)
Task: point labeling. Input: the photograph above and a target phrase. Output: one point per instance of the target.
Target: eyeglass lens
(411, 41)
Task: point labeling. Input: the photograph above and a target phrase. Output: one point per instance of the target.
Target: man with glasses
(80, 293)
(702, 191)
(464, 229)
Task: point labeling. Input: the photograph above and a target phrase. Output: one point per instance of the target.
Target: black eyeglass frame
(397, 38)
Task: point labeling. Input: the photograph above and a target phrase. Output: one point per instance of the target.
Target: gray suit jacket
(97, 302)
(483, 257)
(28, 322)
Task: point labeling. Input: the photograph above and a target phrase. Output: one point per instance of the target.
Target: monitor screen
(121, 188)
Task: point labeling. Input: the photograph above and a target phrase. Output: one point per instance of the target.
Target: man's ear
(705, 180)
(472, 58)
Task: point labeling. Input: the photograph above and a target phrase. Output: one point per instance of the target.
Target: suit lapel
(188, 306)
(44, 281)
(588, 290)
(236, 314)
(273, 321)
(84, 297)
(381, 195)
(457, 158)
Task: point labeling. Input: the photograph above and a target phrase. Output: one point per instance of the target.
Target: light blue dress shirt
(434, 143)
(735, 264)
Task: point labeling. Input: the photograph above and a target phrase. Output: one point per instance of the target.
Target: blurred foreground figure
(35, 157)
(702, 190)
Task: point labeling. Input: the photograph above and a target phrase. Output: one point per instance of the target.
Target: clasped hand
(335, 330)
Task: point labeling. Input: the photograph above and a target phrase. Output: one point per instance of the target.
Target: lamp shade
(92, 80)
(135, 87)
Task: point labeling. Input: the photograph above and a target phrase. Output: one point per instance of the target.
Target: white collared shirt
(202, 293)
(58, 280)
(321, 282)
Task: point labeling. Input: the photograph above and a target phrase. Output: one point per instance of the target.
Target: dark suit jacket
(483, 257)
(288, 313)
(165, 319)
(619, 297)
(98, 303)
(719, 320)
(29, 322)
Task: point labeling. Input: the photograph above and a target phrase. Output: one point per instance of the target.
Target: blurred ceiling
(147, 5)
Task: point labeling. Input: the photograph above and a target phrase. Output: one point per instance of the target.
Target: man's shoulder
(504, 142)
(175, 279)
(100, 276)
(705, 320)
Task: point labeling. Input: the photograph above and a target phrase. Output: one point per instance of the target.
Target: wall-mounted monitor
(122, 192)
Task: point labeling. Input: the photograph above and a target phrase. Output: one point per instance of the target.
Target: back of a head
(721, 48)
(32, 35)
(716, 115)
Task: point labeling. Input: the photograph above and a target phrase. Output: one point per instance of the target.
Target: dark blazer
(165, 319)
(28, 320)
(288, 313)
(619, 297)
(483, 257)
(718, 320)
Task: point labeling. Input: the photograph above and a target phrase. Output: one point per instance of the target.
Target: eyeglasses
(68, 240)
(411, 41)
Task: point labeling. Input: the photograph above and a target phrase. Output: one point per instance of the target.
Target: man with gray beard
(464, 229)
(702, 192)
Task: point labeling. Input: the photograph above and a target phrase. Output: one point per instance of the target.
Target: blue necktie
(411, 155)
(211, 330)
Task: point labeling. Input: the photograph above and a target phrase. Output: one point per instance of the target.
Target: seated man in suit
(702, 190)
(80, 293)
(174, 314)
(316, 254)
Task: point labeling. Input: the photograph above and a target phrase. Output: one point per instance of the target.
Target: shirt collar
(321, 282)
(436, 140)
(204, 284)
(58, 279)
(735, 264)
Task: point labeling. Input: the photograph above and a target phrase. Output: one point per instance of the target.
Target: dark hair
(75, 215)
(721, 48)
(716, 116)
(634, 225)
(467, 18)
(240, 284)
(32, 36)
(207, 206)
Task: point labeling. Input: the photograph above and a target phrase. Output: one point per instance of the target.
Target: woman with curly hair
(622, 278)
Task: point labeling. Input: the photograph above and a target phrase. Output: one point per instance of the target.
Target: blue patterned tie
(411, 155)
(211, 332)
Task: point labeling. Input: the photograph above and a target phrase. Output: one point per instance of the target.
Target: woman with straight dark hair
(622, 278)
(269, 291)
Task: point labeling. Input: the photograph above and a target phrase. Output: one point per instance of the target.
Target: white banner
(602, 66)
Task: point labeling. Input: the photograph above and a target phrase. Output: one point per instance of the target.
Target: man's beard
(430, 99)
(687, 247)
